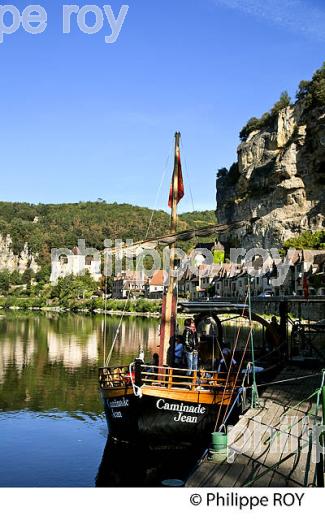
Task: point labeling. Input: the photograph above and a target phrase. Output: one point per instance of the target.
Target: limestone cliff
(15, 262)
(277, 185)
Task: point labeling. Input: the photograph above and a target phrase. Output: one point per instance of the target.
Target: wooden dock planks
(267, 441)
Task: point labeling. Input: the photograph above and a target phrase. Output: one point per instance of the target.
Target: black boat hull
(160, 421)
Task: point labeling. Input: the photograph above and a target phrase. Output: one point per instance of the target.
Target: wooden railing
(116, 377)
(168, 377)
(183, 378)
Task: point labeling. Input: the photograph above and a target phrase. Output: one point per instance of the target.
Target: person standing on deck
(273, 335)
(227, 362)
(190, 342)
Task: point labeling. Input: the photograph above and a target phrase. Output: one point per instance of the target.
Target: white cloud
(296, 15)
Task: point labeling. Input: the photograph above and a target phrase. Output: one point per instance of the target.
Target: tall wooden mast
(169, 306)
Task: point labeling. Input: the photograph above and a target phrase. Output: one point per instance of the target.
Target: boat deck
(270, 446)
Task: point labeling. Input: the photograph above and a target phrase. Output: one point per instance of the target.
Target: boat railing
(183, 378)
(116, 377)
(164, 376)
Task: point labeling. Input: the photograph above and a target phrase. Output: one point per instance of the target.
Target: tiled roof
(158, 278)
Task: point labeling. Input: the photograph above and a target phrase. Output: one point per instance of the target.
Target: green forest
(46, 226)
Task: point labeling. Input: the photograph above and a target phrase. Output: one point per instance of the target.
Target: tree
(15, 278)
(255, 123)
(27, 276)
(43, 275)
(303, 90)
(267, 119)
(319, 92)
(218, 257)
(284, 102)
(307, 240)
(73, 288)
(4, 281)
(251, 125)
(313, 92)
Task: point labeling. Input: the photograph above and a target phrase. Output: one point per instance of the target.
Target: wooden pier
(271, 445)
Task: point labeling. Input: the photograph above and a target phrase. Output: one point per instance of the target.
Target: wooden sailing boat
(165, 405)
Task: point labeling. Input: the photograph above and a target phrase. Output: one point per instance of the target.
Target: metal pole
(320, 463)
(254, 387)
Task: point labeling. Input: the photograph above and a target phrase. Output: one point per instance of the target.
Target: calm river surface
(52, 427)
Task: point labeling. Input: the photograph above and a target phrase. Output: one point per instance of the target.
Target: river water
(52, 427)
(53, 431)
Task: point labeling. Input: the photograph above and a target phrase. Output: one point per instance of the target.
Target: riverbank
(141, 307)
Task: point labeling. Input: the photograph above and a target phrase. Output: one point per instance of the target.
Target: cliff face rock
(277, 186)
(12, 262)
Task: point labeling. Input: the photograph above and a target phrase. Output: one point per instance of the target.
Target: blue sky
(81, 119)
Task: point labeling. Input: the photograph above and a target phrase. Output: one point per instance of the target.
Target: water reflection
(51, 417)
(50, 361)
(124, 465)
(69, 351)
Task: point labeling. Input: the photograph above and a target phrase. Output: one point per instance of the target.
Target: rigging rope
(163, 175)
(224, 422)
(230, 365)
(237, 375)
(299, 449)
(136, 389)
(287, 380)
(108, 359)
(187, 174)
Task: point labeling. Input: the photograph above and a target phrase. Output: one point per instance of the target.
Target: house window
(63, 259)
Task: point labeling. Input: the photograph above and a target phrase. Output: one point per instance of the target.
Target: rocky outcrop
(8, 260)
(277, 186)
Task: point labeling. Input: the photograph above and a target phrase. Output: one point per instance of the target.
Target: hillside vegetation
(307, 240)
(44, 226)
(311, 93)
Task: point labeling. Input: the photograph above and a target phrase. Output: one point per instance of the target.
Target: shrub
(4, 281)
(283, 102)
(307, 240)
(267, 119)
(313, 92)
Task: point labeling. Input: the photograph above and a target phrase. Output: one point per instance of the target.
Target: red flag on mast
(180, 183)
